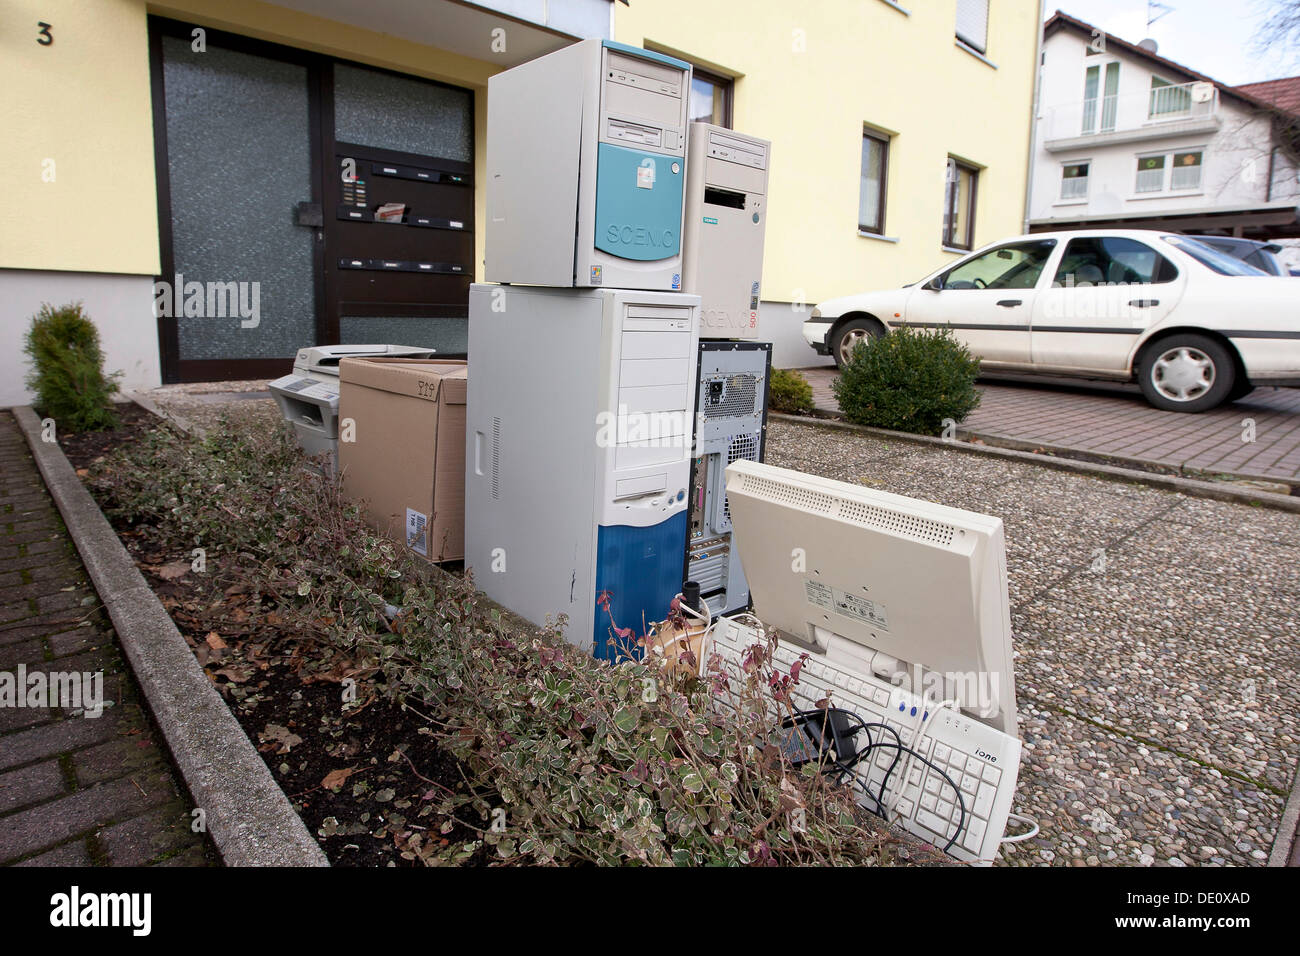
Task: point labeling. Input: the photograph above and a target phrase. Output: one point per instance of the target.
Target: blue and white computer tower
(586, 161)
(578, 452)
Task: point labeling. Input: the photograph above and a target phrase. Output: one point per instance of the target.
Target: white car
(1192, 325)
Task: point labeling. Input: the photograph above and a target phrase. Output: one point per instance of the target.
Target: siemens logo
(640, 236)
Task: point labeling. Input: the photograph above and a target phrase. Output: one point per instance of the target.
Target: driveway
(1256, 437)
(1156, 658)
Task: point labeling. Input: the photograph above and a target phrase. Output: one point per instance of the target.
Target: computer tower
(730, 425)
(586, 162)
(578, 453)
(726, 220)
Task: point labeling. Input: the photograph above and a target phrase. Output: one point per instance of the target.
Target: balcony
(1132, 117)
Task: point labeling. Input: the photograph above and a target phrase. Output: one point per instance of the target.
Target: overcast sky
(1209, 36)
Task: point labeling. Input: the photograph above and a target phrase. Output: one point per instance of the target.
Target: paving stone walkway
(75, 790)
(1116, 420)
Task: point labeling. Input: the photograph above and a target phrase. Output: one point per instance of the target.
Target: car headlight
(816, 313)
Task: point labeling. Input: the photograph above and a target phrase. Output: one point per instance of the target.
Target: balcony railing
(1136, 114)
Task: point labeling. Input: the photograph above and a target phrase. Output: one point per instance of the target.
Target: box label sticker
(415, 537)
(645, 174)
(871, 613)
(819, 594)
(595, 275)
(710, 220)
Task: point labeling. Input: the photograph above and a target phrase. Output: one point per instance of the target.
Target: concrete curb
(1288, 828)
(149, 405)
(1187, 486)
(248, 816)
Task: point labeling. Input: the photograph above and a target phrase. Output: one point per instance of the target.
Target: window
(1074, 181)
(1109, 260)
(1223, 263)
(959, 205)
(1108, 101)
(711, 98)
(1185, 172)
(1150, 174)
(973, 24)
(871, 194)
(1016, 266)
(1168, 99)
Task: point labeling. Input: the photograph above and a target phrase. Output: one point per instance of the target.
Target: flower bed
(412, 722)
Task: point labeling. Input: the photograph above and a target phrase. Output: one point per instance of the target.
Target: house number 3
(45, 38)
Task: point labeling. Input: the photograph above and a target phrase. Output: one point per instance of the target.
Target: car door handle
(1010, 303)
(1143, 303)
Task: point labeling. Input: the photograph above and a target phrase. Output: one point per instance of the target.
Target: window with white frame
(1185, 171)
(1074, 181)
(1150, 174)
(973, 24)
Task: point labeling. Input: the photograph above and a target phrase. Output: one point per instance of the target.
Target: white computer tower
(726, 219)
(586, 162)
(578, 452)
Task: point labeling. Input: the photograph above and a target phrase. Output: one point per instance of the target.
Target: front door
(303, 201)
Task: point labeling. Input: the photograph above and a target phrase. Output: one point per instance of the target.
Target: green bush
(68, 370)
(910, 380)
(789, 392)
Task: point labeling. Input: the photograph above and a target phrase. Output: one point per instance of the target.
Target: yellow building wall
(77, 138)
(810, 75)
(85, 102)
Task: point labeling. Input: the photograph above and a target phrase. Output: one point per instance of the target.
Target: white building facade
(1127, 138)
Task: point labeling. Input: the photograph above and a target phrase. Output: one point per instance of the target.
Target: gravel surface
(205, 403)
(1156, 645)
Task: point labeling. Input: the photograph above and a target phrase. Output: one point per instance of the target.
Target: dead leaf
(82, 472)
(283, 736)
(173, 570)
(215, 642)
(236, 675)
(336, 778)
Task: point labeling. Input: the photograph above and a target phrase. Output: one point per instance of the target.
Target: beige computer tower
(726, 217)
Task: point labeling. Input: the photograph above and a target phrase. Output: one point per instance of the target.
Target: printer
(309, 396)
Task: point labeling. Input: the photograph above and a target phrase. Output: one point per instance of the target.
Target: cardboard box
(406, 460)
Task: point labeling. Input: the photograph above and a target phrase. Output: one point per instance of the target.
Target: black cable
(860, 754)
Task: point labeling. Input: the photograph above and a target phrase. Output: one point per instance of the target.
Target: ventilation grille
(732, 397)
(868, 516)
(743, 447)
(909, 526)
(496, 459)
(790, 495)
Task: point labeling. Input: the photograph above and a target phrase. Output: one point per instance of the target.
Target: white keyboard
(981, 762)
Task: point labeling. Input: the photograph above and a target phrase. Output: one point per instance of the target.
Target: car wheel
(849, 335)
(1186, 373)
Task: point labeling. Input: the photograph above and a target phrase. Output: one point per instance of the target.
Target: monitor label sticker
(819, 594)
(871, 613)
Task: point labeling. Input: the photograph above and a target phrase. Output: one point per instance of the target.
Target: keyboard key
(905, 807)
(933, 823)
(914, 778)
(974, 765)
(933, 783)
(941, 752)
(944, 809)
(992, 774)
(970, 784)
(881, 697)
(929, 801)
(974, 837)
(984, 801)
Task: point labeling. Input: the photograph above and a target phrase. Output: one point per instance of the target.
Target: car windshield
(1213, 259)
